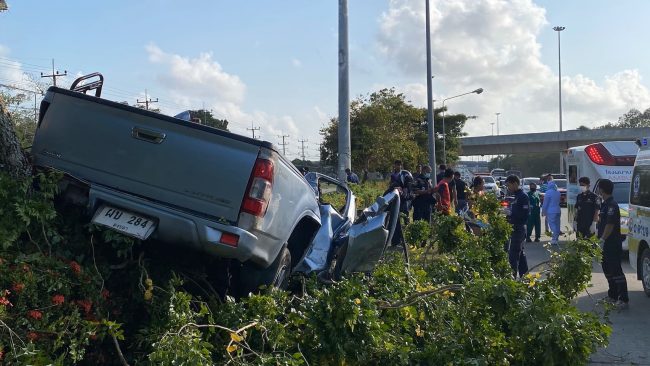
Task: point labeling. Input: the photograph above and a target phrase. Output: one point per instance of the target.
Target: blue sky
(275, 63)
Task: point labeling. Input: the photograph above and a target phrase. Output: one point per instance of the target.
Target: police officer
(517, 217)
(587, 208)
(609, 233)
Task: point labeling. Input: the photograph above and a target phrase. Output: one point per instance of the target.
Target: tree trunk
(12, 159)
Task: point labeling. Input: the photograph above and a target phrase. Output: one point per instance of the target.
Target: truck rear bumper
(184, 229)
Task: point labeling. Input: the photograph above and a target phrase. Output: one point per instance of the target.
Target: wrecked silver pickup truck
(149, 175)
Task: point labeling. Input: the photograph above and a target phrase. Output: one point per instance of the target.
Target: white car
(490, 184)
(525, 183)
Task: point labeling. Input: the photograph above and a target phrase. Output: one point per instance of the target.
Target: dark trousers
(534, 222)
(584, 231)
(422, 210)
(614, 275)
(398, 236)
(516, 255)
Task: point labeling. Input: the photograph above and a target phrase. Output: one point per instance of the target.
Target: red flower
(76, 268)
(86, 305)
(18, 287)
(3, 299)
(58, 299)
(35, 314)
(32, 336)
(105, 294)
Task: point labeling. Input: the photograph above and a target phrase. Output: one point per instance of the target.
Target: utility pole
(302, 142)
(345, 154)
(146, 100)
(284, 144)
(430, 111)
(55, 74)
(253, 129)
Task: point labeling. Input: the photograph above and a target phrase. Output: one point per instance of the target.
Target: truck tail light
(260, 185)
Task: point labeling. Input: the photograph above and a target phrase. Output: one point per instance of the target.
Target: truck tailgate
(146, 154)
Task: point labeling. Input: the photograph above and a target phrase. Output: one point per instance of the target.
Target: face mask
(427, 175)
(584, 188)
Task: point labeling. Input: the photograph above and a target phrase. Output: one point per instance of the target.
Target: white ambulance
(639, 236)
(613, 160)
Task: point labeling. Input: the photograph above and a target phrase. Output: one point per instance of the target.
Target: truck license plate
(124, 221)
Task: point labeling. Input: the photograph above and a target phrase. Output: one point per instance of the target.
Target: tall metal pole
(559, 73)
(345, 154)
(492, 128)
(430, 117)
(498, 122)
(444, 133)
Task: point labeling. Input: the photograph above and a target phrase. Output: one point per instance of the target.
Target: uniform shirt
(587, 204)
(460, 189)
(422, 183)
(533, 199)
(610, 214)
(520, 209)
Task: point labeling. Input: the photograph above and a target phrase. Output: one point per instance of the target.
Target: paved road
(630, 340)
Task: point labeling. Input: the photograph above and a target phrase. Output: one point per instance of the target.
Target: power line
(146, 100)
(284, 144)
(253, 129)
(55, 74)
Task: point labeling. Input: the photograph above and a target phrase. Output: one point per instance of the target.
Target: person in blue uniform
(609, 233)
(517, 217)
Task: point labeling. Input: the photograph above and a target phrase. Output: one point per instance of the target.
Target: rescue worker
(609, 233)
(517, 217)
(534, 220)
(461, 193)
(551, 210)
(423, 199)
(587, 209)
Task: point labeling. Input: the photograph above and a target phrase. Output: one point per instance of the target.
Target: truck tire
(645, 270)
(251, 276)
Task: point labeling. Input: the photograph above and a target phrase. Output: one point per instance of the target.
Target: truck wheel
(645, 271)
(251, 276)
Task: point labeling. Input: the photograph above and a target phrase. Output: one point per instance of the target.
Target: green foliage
(208, 119)
(456, 303)
(384, 126)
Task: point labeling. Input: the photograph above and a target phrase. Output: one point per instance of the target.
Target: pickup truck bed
(224, 194)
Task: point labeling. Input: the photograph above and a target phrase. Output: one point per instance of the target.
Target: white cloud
(493, 44)
(193, 81)
(296, 63)
(11, 72)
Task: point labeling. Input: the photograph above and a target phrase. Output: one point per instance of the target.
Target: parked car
(151, 176)
(490, 184)
(525, 183)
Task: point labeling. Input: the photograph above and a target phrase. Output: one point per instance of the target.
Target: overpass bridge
(545, 141)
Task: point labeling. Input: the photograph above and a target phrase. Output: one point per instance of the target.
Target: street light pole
(444, 131)
(492, 128)
(498, 113)
(559, 68)
(430, 122)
